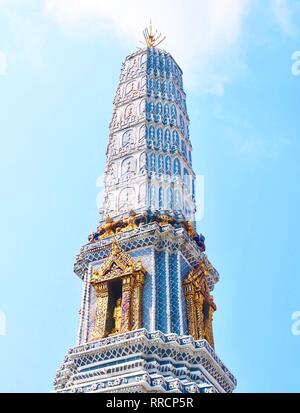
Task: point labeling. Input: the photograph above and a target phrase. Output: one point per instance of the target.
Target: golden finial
(152, 39)
(115, 248)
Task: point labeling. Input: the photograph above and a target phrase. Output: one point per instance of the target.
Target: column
(190, 309)
(208, 327)
(126, 304)
(137, 305)
(99, 330)
(199, 299)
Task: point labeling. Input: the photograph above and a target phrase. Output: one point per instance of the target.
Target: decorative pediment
(117, 264)
(198, 278)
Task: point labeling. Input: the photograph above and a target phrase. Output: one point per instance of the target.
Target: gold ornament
(200, 303)
(165, 220)
(130, 222)
(152, 39)
(191, 229)
(108, 229)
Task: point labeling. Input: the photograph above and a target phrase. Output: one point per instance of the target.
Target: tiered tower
(147, 308)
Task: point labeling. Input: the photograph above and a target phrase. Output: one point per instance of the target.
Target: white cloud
(283, 16)
(25, 33)
(202, 35)
(3, 63)
(252, 147)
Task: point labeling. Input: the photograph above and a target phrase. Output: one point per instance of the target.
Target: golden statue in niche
(117, 316)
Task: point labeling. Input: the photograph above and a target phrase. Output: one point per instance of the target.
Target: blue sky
(59, 66)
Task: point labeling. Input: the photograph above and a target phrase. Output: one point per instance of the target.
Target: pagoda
(146, 317)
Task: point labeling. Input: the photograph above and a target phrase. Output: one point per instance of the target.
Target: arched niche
(119, 278)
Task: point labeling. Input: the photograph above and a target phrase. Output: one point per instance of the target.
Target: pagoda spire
(152, 39)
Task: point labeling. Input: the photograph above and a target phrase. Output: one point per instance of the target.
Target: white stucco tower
(149, 162)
